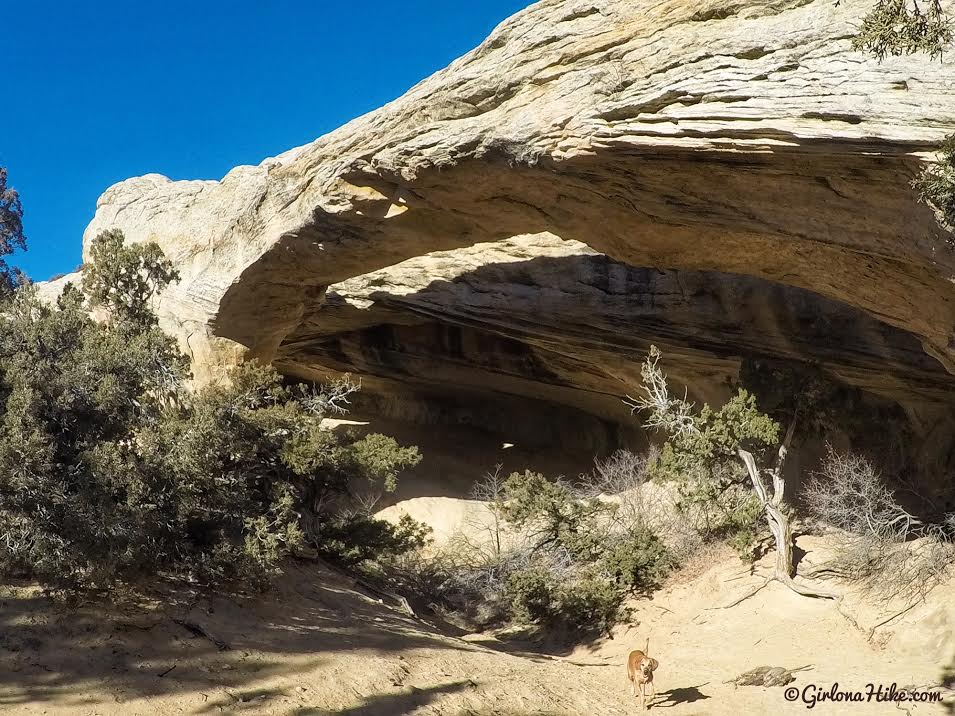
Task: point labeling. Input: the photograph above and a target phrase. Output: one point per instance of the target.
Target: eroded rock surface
(726, 180)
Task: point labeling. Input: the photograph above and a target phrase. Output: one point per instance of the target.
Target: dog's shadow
(675, 697)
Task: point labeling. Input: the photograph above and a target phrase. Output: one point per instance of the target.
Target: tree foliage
(11, 234)
(110, 469)
(123, 278)
(702, 457)
(580, 562)
(904, 27)
(715, 499)
(712, 441)
(936, 184)
(702, 437)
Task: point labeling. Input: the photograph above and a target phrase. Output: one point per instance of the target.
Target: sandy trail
(318, 645)
(701, 646)
(313, 646)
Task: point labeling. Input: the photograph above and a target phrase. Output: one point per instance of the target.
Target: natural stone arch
(749, 140)
(883, 253)
(745, 141)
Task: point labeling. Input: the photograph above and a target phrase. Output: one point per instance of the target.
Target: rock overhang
(742, 149)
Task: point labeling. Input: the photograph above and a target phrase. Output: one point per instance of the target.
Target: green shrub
(936, 185)
(583, 603)
(904, 27)
(589, 604)
(716, 499)
(532, 593)
(352, 539)
(559, 558)
(554, 515)
(110, 469)
(638, 560)
(578, 560)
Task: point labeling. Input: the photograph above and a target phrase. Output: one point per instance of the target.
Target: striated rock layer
(726, 180)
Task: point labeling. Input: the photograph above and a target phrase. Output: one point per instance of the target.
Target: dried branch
(673, 416)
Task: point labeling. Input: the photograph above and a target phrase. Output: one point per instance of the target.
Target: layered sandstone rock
(727, 179)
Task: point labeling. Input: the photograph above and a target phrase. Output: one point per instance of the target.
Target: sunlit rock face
(503, 242)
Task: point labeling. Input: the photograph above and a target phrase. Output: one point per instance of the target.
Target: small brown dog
(640, 668)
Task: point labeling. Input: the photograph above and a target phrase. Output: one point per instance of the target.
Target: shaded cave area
(524, 362)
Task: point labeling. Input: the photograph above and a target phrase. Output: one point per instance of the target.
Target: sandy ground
(314, 646)
(702, 645)
(318, 645)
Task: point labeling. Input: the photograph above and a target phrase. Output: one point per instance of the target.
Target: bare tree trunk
(778, 517)
(781, 527)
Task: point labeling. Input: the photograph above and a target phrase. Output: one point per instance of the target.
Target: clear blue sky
(97, 92)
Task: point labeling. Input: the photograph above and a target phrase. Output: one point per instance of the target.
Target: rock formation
(502, 243)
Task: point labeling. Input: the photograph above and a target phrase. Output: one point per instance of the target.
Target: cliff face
(726, 179)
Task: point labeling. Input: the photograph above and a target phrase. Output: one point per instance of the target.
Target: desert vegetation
(880, 546)
(567, 555)
(11, 234)
(111, 469)
(704, 440)
(904, 27)
(555, 554)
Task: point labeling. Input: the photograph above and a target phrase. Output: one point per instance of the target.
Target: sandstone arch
(744, 145)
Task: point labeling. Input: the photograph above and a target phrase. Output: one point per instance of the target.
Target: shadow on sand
(181, 642)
